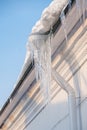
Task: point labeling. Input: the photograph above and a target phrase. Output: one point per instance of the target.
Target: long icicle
(63, 20)
(78, 4)
(42, 58)
(46, 69)
(84, 10)
(70, 2)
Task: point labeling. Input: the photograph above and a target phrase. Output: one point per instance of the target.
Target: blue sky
(17, 17)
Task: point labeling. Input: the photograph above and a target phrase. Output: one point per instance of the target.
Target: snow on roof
(49, 16)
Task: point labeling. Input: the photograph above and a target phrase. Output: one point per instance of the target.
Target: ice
(40, 44)
(63, 21)
(70, 1)
(78, 4)
(49, 16)
(84, 10)
(42, 58)
(81, 9)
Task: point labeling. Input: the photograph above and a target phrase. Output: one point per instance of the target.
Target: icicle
(78, 4)
(70, 2)
(42, 58)
(28, 54)
(63, 20)
(84, 10)
(30, 51)
(36, 58)
(46, 70)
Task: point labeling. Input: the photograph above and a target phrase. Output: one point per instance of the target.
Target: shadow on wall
(54, 112)
(17, 118)
(32, 114)
(69, 56)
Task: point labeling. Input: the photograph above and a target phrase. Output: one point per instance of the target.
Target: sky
(17, 17)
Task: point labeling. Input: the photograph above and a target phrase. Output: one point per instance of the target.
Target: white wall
(55, 116)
